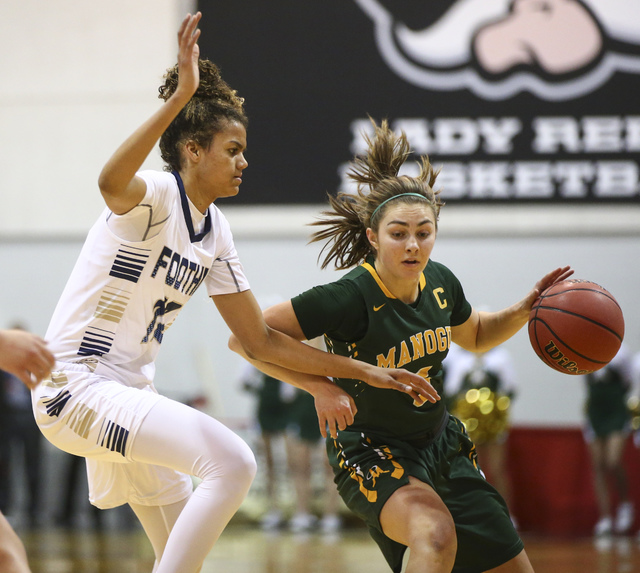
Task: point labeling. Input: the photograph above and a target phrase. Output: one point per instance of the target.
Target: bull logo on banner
(554, 49)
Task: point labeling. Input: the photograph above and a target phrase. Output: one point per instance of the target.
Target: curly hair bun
(208, 111)
(211, 87)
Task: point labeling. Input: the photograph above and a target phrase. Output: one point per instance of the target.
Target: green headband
(395, 197)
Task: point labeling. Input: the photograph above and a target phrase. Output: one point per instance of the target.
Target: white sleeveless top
(122, 295)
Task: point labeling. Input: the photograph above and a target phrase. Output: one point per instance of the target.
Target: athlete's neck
(405, 290)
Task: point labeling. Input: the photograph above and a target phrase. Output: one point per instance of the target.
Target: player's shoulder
(342, 292)
(354, 275)
(349, 283)
(438, 271)
(162, 187)
(159, 179)
(437, 266)
(359, 280)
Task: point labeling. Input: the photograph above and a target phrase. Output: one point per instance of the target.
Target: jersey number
(424, 372)
(156, 327)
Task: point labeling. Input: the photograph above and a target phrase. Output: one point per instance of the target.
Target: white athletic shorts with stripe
(90, 415)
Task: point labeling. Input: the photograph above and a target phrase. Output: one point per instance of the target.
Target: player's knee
(230, 459)
(435, 537)
(443, 540)
(244, 465)
(238, 472)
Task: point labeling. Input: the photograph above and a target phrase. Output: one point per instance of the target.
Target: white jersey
(123, 294)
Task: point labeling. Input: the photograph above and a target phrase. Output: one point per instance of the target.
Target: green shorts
(369, 469)
(602, 424)
(304, 418)
(274, 414)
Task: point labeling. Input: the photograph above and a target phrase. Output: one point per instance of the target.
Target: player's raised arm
(119, 186)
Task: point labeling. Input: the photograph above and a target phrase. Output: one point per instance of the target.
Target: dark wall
(311, 71)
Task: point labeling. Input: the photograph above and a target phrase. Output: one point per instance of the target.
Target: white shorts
(89, 415)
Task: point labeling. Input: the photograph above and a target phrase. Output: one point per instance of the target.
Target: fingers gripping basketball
(576, 326)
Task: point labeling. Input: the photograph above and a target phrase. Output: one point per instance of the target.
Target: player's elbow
(107, 183)
(255, 347)
(235, 345)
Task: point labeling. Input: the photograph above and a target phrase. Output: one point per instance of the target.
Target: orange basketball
(576, 326)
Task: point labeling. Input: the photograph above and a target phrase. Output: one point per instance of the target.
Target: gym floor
(247, 549)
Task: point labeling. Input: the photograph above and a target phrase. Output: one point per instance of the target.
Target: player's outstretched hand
(555, 276)
(188, 54)
(404, 381)
(335, 408)
(25, 355)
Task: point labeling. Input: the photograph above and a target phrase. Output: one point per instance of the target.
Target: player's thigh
(183, 438)
(416, 510)
(597, 447)
(614, 448)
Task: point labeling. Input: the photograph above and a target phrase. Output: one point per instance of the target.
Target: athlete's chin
(232, 192)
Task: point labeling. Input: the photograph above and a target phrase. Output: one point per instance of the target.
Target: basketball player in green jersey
(405, 466)
(608, 424)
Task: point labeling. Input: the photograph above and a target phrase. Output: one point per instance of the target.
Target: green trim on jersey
(361, 319)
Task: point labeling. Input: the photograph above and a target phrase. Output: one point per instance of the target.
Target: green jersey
(361, 319)
(606, 407)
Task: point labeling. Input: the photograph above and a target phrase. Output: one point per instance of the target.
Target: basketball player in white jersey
(158, 240)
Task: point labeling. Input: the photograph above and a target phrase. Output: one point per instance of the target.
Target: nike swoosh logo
(377, 308)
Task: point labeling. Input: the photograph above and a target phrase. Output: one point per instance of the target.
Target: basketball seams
(533, 322)
(542, 321)
(596, 291)
(581, 316)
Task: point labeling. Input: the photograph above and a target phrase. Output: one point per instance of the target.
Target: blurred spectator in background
(272, 412)
(606, 431)
(20, 441)
(72, 500)
(26, 356)
(306, 456)
(479, 389)
(287, 415)
(634, 399)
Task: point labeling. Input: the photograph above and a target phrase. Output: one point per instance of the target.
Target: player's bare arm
(269, 343)
(485, 330)
(282, 318)
(335, 408)
(120, 187)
